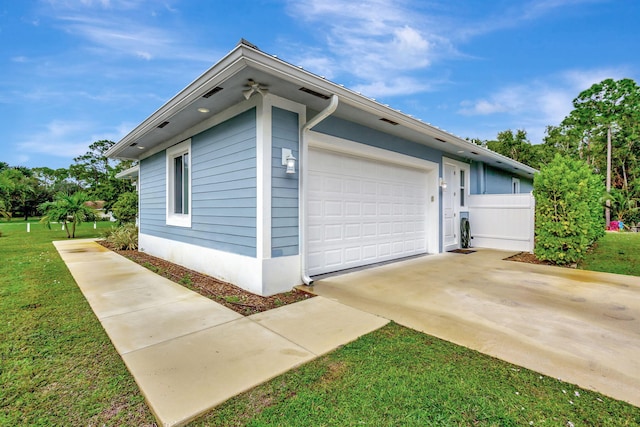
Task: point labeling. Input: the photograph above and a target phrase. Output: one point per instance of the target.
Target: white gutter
(304, 151)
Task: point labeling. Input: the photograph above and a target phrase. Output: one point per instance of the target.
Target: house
(265, 175)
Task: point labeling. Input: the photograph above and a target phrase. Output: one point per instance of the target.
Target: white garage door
(362, 211)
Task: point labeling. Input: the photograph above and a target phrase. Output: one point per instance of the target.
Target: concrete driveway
(582, 327)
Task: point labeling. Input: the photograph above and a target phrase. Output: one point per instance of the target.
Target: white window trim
(467, 180)
(515, 185)
(179, 220)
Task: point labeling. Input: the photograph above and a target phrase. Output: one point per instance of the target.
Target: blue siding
(223, 186)
(284, 188)
(355, 132)
(152, 192)
(498, 181)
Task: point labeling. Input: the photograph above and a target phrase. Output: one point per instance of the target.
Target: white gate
(502, 221)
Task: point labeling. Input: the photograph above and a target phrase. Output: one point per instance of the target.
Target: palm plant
(70, 210)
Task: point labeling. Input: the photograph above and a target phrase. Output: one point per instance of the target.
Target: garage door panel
(364, 211)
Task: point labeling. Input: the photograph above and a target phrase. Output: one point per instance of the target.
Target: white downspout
(304, 151)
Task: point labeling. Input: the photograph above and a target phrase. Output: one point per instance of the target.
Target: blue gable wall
(223, 175)
(498, 181)
(284, 187)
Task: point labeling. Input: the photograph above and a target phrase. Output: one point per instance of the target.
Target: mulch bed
(229, 295)
(531, 259)
(528, 258)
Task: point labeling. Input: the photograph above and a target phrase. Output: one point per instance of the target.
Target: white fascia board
(131, 173)
(214, 76)
(260, 60)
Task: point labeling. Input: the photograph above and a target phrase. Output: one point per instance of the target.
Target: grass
(397, 376)
(615, 253)
(58, 367)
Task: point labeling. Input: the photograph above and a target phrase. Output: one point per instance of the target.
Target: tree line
(25, 192)
(603, 131)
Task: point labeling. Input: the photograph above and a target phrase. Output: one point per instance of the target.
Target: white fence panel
(502, 221)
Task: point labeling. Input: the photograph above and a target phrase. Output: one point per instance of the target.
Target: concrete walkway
(188, 353)
(580, 326)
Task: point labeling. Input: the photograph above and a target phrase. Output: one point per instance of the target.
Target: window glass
(462, 187)
(185, 184)
(178, 185)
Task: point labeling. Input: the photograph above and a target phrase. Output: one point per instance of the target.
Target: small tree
(569, 213)
(125, 209)
(70, 210)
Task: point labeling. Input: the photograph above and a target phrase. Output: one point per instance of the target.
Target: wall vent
(212, 92)
(391, 122)
(163, 124)
(314, 93)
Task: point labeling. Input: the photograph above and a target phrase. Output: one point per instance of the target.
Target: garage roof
(222, 86)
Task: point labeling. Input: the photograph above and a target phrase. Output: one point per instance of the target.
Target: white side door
(451, 206)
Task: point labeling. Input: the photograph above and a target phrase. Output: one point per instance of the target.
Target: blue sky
(77, 71)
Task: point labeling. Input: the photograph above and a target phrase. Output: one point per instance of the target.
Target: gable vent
(440, 139)
(391, 122)
(163, 124)
(212, 92)
(314, 93)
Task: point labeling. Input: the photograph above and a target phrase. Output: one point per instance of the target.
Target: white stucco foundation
(261, 276)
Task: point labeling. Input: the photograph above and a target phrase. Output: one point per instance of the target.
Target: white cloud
(61, 138)
(379, 42)
(542, 102)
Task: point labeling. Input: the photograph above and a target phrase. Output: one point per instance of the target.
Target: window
(515, 185)
(179, 184)
(462, 187)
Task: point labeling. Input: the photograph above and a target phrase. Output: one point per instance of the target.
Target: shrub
(125, 209)
(124, 237)
(569, 210)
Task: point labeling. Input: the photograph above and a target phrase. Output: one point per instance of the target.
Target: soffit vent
(440, 139)
(314, 93)
(163, 124)
(133, 144)
(212, 92)
(474, 152)
(391, 122)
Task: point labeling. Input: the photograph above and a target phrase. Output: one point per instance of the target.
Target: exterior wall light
(443, 183)
(289, 161)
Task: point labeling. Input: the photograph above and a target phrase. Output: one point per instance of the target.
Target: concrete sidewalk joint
(188, 353)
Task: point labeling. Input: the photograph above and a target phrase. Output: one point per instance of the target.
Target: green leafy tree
(568, 210)
(518, 147)
(125, 209)
(97, 173)
(70, 210)
(604, 130)
(23, 190)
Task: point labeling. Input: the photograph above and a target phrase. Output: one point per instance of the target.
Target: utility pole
(607, 211)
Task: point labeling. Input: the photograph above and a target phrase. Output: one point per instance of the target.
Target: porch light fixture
(203, 110)
(443, 183)
(289, 161)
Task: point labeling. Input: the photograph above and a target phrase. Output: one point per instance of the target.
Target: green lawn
(615, 253)
(59, 368)
(399, 377)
